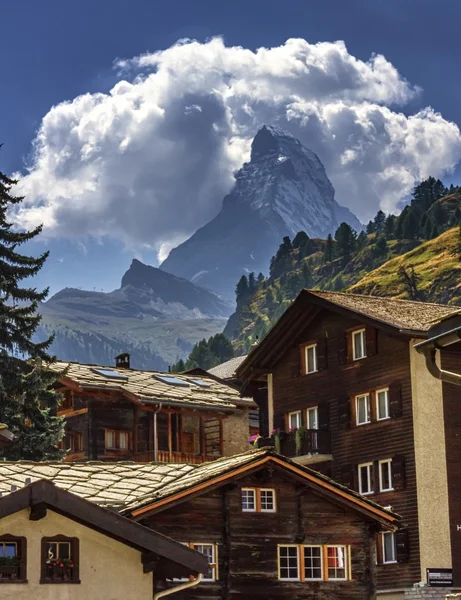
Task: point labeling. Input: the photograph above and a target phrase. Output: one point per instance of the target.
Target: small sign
(440, 577)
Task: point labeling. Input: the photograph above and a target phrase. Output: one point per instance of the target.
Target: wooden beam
(170, 439)
(135, 427)
(202, 437)
(221, 440)
(37, 512)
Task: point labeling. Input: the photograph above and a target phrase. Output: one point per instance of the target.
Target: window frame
(306, 359)
(21, 553)
(388, 416)
(257, 500)
(246, 489)
(116, 433)
(214, 566)
(346, 562)
(316, 410)
(363, 334)
(366, 395)
(279, 567)
(369, 466)
(74, 544)
(299, 414)
(383, 548)
(385, 461)
(300, 562)
(303, 566)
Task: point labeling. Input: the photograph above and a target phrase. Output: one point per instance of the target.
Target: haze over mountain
(155, 316)
(284, 189)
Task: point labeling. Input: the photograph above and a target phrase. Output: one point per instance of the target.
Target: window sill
(59, 581)
(13, 581)
(385, 491)
(391, 562)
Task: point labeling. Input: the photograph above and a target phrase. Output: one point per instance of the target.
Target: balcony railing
(299, 443)
(174, 457)
(10, 572)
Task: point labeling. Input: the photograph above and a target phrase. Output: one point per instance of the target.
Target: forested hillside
(415, 255)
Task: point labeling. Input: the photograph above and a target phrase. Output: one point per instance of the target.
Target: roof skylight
(171, 380)
(200, 383)
(111, 374)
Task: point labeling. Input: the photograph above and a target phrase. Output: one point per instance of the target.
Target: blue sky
(54, 51)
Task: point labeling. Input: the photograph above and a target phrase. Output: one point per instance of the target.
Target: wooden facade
(248, 547)
(99, 427)
(336, 387)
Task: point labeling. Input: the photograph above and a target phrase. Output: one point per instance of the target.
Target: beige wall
(431, 470)
(109, 570)
(236, 432)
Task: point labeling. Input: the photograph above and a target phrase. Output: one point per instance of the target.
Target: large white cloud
(150, 162)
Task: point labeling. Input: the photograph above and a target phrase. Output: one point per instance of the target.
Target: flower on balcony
(254, 439)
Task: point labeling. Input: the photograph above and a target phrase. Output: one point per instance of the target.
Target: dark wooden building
(271, 529)
(123, 413)
(342, 389)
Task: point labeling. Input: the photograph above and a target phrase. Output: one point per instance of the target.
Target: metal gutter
(179, 588)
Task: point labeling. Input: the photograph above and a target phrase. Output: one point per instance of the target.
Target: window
(258, 500)
(288, 563)
(248, 500)
(73, 441)
(294, 420)
(313, 567)
(267, 500)
(200, 383)
(117, 440)
(385, 475)
(312, 418)
(359, 344)
(382, 404)
(310, 358)
(362, 409)
(12, 559)
(365, 473)
(313, 563)
(211, 552)
(389, 554)
(171, 380)
(111, 374)
(67, 401)
(59, 559)
(336, 556)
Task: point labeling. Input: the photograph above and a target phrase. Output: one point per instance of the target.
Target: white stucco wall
(109, 570)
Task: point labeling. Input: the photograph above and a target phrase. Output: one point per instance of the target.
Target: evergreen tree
(370, 227)
(379, 221)
(300, 239)
(251, 283)
(329, 248)
(410, 229)
(179, 367)
(306, 276)
(458, 241)
(242, 290)
(260, 278)
(361, 241)
(27, 403)
(282, 260)
(345, 237)
(389, 226)
(381, 248)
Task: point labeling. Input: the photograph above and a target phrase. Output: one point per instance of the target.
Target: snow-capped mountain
(284, 189)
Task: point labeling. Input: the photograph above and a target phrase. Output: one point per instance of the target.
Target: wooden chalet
(269, 527)
(342, 389)
(123, 413)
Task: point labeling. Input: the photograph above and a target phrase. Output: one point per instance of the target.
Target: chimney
(122, 361)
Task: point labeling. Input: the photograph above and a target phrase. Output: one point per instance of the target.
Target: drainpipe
(429, 351)
(179, 588)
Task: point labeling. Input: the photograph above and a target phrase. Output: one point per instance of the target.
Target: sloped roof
(108, 484)
(146, 388)
(403, 314)
(226, 370)
(407, 317)
(43, 494)
(209, 473)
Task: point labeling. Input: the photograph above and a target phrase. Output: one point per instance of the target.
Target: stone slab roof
(108, 484)
(403, 314)
(226, 370)
(208, 471)
(147, 388)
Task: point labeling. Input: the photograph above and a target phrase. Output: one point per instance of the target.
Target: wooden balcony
(173, 457)
(310, 446)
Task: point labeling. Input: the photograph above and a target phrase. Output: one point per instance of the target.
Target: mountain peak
(268, 140)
